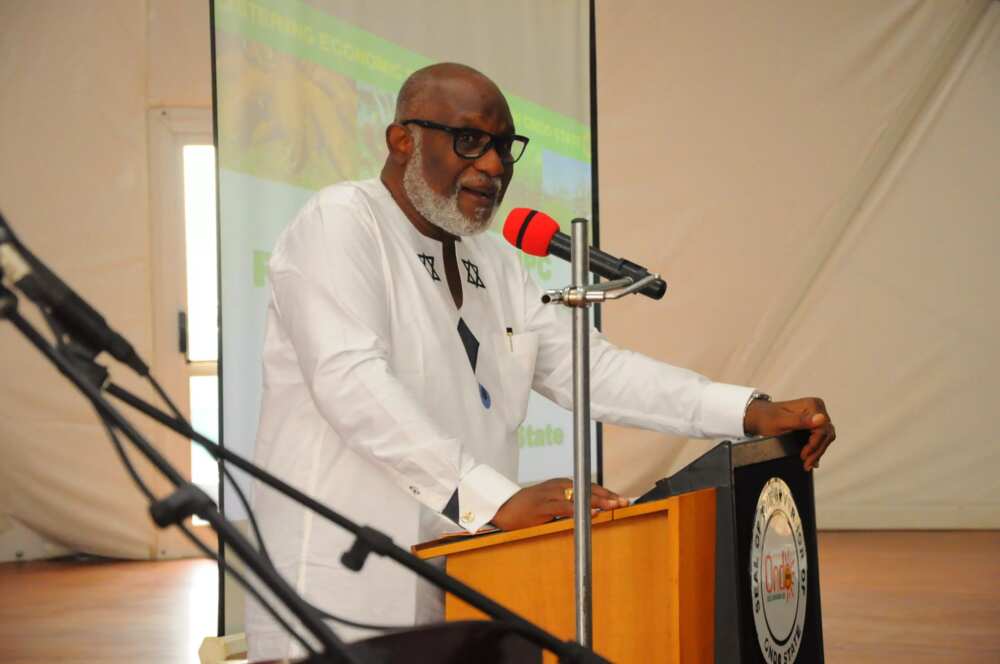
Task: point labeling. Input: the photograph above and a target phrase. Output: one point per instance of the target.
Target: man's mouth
(485, 194)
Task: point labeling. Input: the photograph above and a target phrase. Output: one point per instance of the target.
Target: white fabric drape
(817, 184)
(815, 181)
(78, 79)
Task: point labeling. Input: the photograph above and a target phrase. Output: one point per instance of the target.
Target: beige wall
(77, 79)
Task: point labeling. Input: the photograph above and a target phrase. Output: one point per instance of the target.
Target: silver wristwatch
(754, 396)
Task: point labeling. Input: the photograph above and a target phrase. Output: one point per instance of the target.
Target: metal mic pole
(580, 295)
(580, 259)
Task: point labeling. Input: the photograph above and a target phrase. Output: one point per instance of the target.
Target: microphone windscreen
(530, 231)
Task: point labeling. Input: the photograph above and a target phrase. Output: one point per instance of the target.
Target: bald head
(424, 88)
(439, 187)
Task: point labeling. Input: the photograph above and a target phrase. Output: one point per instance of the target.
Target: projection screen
(304, 91)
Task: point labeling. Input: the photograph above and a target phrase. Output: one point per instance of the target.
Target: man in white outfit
(401, 345)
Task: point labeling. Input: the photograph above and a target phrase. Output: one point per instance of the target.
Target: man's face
(458, 194)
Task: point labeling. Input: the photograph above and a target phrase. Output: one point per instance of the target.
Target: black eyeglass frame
(496, 142)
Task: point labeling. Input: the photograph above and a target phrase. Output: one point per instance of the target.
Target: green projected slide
(303, 99)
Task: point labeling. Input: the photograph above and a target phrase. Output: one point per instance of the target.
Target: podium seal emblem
(778, 573)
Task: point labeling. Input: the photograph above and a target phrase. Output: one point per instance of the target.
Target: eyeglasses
(472, 143)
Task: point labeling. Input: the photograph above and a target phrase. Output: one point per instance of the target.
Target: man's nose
(491, 163)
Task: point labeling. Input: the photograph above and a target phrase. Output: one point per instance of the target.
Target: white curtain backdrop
(817, 182)
(77, 80)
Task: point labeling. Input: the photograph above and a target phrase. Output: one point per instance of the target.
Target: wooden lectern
(653, 578)
(717, 563)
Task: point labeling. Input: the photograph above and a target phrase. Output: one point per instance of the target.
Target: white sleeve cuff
(480, 494)
(723, 408)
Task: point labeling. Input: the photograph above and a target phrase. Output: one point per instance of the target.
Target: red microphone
(530, 231)
(537, 233)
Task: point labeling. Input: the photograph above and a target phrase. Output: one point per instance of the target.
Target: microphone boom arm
(573, 296)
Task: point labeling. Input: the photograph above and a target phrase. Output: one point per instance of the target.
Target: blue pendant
(485, 397)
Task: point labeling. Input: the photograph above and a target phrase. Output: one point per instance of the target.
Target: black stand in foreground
(513, 639)
(188, 499)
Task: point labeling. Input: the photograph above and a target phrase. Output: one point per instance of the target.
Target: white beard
(442, 211)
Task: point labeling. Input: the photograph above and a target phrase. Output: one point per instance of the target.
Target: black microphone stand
(188, 499)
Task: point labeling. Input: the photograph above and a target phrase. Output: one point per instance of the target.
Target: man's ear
(399, 142)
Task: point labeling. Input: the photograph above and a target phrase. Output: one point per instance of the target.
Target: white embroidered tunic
(389, 404)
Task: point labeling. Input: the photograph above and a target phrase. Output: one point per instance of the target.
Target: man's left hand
(767, 418)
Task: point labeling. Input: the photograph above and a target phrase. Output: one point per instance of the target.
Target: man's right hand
(545, 501)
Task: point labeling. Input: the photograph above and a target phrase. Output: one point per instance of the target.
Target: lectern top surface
(448, 545)
(759, 450)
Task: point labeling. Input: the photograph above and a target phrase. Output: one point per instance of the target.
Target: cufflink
(468, 517)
